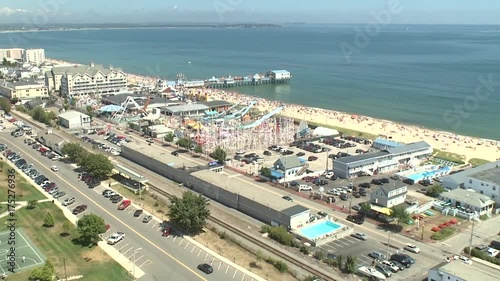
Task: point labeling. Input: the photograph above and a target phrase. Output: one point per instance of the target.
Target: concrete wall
(245, 205)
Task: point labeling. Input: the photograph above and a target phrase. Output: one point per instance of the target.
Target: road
(156, 255)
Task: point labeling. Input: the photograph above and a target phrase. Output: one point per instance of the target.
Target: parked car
(384, 270)
(206, 268)
(124, 205)
(376, 255)
(312, 158)
(116, 199)
(287, 198)
(147, 219)
(108, 193)
(68, 201)
(403, 259)
(138, 213)
(391, 265)
(58, 194)
(166, 231)
(357, 219)
(115, 238)
(79, 209)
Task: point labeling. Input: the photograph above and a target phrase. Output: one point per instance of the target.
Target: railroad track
(256, 241)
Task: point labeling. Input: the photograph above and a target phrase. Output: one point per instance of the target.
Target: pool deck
(324, 238)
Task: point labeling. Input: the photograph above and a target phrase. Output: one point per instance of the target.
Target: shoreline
(448, 142)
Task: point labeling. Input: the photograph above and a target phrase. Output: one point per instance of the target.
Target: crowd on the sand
(468, 147)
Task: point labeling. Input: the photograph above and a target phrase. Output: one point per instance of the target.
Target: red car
(124, 205)
(167, 231)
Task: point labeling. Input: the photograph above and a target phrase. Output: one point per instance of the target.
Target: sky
(36, 12)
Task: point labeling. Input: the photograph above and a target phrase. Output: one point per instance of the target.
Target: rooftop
(363, 159)
(53, 139)
(84, 69)
(490, 175)
(468, 197)
(119, 99)
(477, 271)
(12, 85)
(185, 108)
(72, 114)
(217, 103)
(387, 142)
(288, 162)
(234, 185)
(412, 147)
(460, 178)
(162, 155)
(280, 71)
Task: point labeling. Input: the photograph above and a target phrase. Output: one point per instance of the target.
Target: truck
(124, 205)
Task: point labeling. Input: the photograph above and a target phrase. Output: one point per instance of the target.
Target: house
(74, 119)
(54, 142)
(288, 166)
(390, 194)
(468, 200)
(31, 104)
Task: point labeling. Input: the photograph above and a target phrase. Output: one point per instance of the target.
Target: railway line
(255, 241)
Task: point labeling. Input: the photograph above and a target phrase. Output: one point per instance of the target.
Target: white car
(68, 201)
(305, 187)
(360, 236)
(412, 248)
(394, 268)
(115, 238)
(465, 260)
(329, 174)
(54, 168)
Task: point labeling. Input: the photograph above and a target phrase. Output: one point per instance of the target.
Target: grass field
(452, 157)
(93, 264)
(24, 191)
(476, 161)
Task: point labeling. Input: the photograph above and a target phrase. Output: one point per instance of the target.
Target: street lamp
(350, 202)
(133, 268)
(388, 242)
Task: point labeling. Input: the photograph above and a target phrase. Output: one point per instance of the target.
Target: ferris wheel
(181, 78)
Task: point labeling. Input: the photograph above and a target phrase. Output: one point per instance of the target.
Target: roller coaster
(263, 118)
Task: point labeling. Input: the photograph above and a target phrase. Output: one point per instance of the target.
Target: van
(403, 259)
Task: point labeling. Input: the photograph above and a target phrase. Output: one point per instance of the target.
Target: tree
(435, 190)
(190, 212)
(198, 149)
(5, 62)
(48, 221)
(66, 227)
(97, 165)
(220, 155)
(32, 204)
(44, 273)
(73, 150)
(90, 226)
(350, 264)
(38, 114)
(340, 260)
(265, 171)
(400, 214)
(90, 111)
(5, 105)
(183, 142)
(169, 137)
(50, 117)
(365, 206)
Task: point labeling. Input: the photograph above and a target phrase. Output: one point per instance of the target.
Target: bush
(443, 234)
(304, 250)
(331, 262)
(223, 235)
(482, 255)
(281, 266)
(281, 235)
(265, 228)
(319, 255)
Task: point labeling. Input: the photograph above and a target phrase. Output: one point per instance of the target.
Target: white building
(279, 75)
(457, 270)
(287, 167)
(382, 161)
(84, 80)
(74, 119)
(11, 54)
(54, 142)
(468, 200)
(390, 194)
(324, 132)
(34, 56)
(24, 90)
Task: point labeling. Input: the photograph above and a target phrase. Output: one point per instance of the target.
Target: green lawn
(93, 264)
(477, 161)
(24, 191)
(449, 156)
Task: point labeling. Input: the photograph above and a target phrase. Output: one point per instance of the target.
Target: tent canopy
(323, 132)
(110, 108)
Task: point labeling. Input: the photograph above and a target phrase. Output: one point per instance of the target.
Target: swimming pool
(429, 174)
(317, 230)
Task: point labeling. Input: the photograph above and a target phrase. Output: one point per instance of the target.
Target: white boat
(371, 272)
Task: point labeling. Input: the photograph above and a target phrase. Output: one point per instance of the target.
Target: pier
(271, 77)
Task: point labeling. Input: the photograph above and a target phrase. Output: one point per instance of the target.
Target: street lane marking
(144, 263)
(108, 212)
(243, 277)
(182, 240)
(136, 260)
(186, 246)
(227, 268)
(219, 266)
(199, 253)
(212, 262)
(193, 249)
(235, 271)
(122, 246)
(128, 250)
(340, 241)
(205, 257)
(175, 238)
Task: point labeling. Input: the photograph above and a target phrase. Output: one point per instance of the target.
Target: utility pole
(422, 237)
(471, 237)
(65, 273)
(388, 243)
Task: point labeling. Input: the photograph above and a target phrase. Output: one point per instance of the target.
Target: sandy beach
(466, 146)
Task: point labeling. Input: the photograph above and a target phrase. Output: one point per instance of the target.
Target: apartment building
(34, 56)
(24, 90)
(11, 54)
(85, 80)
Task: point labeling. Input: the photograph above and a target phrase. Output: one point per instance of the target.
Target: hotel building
(34, 56)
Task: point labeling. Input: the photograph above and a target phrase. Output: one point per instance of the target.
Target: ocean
(435, 76)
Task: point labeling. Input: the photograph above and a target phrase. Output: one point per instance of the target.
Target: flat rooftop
(475, 271)
(162, 155)
(490, 175)
(232, 184)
